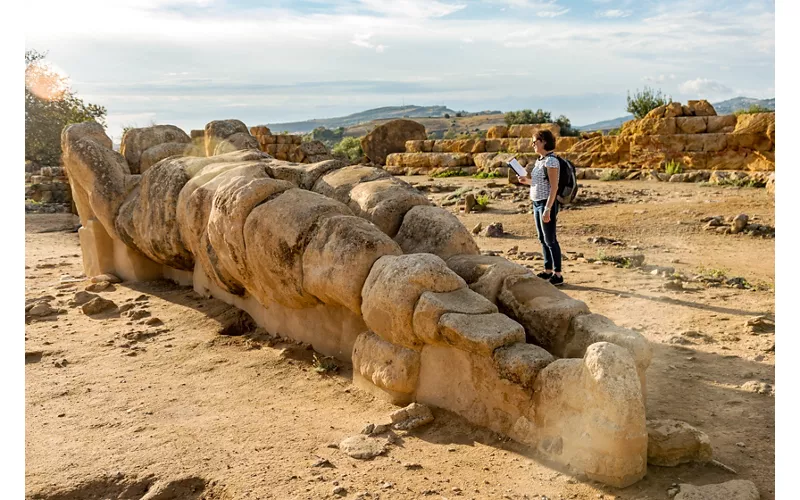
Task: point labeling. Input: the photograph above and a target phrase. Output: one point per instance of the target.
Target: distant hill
(388, 112)
(722, 108)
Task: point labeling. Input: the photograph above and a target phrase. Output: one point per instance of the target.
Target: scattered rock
(469, 203)
(368, 429)
(101, 286)
(412, 466)
(108, 277)
(81, 298)
(673, 285)
(494, 230)
(340, 490)
(477, 228)
(323, 462)
(737, 489)
(42, 309)
(760, 324)
(97, 305)
(363, 447)
(135, 314)
(739, 223)
(412, 416)
(154, 321)
(758, 387)
(672, 442)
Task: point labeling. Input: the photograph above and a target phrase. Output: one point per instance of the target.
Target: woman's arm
(552, 177)
(524, 180)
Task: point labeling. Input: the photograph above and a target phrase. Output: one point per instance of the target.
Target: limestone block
(478, 147)
(737, 489)
(385, 202)
(691, 124)
(544, 310)
(136, 141)
(672, 442)
(480, 333)
(235, 142)
(217, 130)
(389, 138)
(275, 234)
(155, 154)
(728, 159)
(695, 142)
(690, 160)
(99, 176)
(390, 367)
(394, 286)
(493, 145)
(485, 274)
(468, 384)
(565, 143)
(415, 146)
(746, 140)
(131, 265)
(721, 124)
(231, 205)
(657, 126)
(147, 221)
(420, 161)
(713, 143)
(701, 108)
(427, 229)
(258, 130)
(521, 363)
(339, 257)
(590, 414)
(97, 248)
(497, 132)
(588, 329)
(673, 110)
(338, 183)
(432, 305)
(310, 148)
(489, 161)
(302, 175)
(656, 113)
(754, 123)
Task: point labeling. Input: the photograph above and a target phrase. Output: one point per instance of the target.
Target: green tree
(566, 127)
(50, 105)
(350, 147)
(526, 116)
(645, 101)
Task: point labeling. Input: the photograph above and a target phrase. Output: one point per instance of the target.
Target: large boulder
(521, 363)
(391, 137)
(385, 202)
(390, 367)
(434, 230)
(136, 141)
(545, 311)
(218, 130)
(485, 274)
(590, 414)
(672, 442)
(431, 306)
(276, 234)
(339, 257)
(155, 154)
(148, 222)
(99, 176)
(394, 286)
(303, 175)
(337, 184)
(236, 142)
(231, 206)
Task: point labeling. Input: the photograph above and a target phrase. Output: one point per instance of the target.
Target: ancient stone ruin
(359, 264)
(707, 147)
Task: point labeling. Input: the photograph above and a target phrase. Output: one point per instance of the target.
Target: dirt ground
(119, 408)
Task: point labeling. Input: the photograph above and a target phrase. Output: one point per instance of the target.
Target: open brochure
(517, 167)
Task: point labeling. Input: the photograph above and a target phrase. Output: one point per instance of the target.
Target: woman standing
(543, 181)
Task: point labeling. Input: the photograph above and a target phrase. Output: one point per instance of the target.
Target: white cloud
(362, 40)
(412, 8)
(658, 79)
(614, 13)
(703, 86)
(551, 13)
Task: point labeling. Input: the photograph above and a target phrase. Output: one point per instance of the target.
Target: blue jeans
(547, 235)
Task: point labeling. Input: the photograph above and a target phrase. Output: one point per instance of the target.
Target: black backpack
(567, 181)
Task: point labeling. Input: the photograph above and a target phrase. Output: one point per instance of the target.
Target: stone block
(432, 305)
(480, 333)
(672, 442)
(521, 363)
(390, 367)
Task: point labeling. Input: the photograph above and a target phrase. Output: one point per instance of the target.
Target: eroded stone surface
(672, 442)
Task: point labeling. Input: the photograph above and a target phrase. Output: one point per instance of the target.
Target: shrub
(450, 173)
(324, 364)
(526, 116)
(447, 115)
(614, 131)
(482, 200)
(674, 167)
(611, 175)
(350, 147)
(645, 101)
(754, 108)
(566, 127)
(487, 175)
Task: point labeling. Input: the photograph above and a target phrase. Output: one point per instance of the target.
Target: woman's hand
(524, 180)
(546, 215)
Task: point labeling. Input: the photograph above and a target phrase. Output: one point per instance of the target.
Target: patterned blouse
(540, 185)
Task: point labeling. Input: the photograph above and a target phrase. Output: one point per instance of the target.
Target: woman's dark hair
(548, 138)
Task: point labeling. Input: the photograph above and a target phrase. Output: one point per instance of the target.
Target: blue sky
(187, 62)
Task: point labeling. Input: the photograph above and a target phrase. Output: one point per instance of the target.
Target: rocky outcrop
(390, 137)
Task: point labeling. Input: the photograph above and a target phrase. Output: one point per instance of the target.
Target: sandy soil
(118, 408)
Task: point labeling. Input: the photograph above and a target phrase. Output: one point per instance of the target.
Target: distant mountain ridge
(387, 112)
(722, 108)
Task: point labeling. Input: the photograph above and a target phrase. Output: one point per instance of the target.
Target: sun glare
(46, 81)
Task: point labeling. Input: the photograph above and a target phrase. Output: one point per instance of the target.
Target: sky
(187, 62)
